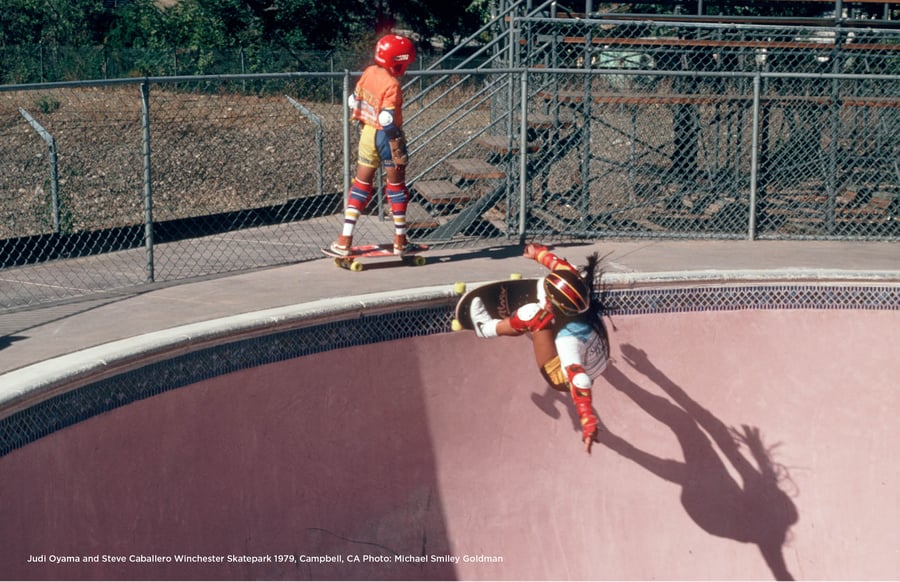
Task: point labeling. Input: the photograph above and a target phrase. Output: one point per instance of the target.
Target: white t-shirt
(578, 343)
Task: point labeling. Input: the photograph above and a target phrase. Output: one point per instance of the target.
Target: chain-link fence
(712, 129)
(636, 130)
(140, 182)
(26, 64)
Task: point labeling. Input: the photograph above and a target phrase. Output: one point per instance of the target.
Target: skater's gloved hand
(589, 427)
(532, 250)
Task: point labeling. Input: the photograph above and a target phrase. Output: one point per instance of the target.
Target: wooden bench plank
(545, 121)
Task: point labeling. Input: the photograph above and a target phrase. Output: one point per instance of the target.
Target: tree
(52, 22)
(219, 24)
(446, 21)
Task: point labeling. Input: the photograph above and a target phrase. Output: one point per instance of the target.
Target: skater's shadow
(755, 511)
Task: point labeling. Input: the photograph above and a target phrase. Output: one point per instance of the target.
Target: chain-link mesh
(658, 134)
(625, 129)
(68, 194)
(234, 172)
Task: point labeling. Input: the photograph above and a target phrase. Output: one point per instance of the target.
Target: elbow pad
(530, 317)
(386, 120)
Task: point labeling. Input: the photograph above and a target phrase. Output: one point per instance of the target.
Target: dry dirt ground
(210, 153)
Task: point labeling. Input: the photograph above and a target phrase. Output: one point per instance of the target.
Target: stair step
(474, 169)
(440, 192)
(501, 144)
(545, 121)
(418, 217)
(550, 219)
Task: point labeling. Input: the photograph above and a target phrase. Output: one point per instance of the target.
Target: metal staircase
(465, 192)
(562, 124)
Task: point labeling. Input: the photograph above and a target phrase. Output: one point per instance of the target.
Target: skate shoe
(402, 245)
(485, 325)
(342, 245)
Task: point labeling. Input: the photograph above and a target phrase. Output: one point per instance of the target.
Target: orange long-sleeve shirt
(376, 91)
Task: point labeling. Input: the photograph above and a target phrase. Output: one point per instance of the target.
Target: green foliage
(448, 21)
(223, 24)
(47, 104)
(52, 22)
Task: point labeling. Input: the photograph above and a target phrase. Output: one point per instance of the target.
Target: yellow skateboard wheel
(459, 287)
(455, 325)
(356, 266)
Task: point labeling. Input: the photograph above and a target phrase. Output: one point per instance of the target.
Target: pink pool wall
(737, 445)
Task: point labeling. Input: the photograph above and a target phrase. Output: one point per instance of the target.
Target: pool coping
(25, 387)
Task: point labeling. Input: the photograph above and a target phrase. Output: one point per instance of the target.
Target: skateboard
(352, 261)
(501, 298)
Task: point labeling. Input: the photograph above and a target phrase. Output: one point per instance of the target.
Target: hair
(592, 274)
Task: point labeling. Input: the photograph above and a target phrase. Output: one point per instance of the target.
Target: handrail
(497, 40)
(485, 28)
(501, 40)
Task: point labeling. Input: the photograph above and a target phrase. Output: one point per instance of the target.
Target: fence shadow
(755, 511)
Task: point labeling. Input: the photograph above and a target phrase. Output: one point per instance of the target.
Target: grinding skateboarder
(571, 344)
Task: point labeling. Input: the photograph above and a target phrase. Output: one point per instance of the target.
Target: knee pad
(398, 196)
(530, 317)
(554, 375)
(578, 378)
(360, 193)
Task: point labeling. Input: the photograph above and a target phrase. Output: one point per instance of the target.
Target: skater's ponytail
(593, 276)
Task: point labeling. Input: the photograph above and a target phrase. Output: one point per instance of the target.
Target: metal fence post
(523, 153)
(515, 60)
(54, 165)
(754, 158)
(831, 176)
(320, 151)
(586, 112)
(346, 118)
(148, 185)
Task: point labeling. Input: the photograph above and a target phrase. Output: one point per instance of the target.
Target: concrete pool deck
(32, 336)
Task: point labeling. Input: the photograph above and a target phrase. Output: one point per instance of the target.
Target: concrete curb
(35, 383)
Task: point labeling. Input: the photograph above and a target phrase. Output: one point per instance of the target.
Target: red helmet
(395, 53)
(567, 292)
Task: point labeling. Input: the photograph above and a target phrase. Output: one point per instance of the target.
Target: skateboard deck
(501, 298)
(376, 251)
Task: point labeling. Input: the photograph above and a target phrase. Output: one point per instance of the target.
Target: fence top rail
(754, 44)
(179, 79)
(804, 21)
(714, 74)
(695, 99)
(454, 72)
(661, 20)
(756, 3)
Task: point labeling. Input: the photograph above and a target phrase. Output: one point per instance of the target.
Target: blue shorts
(374, 148)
